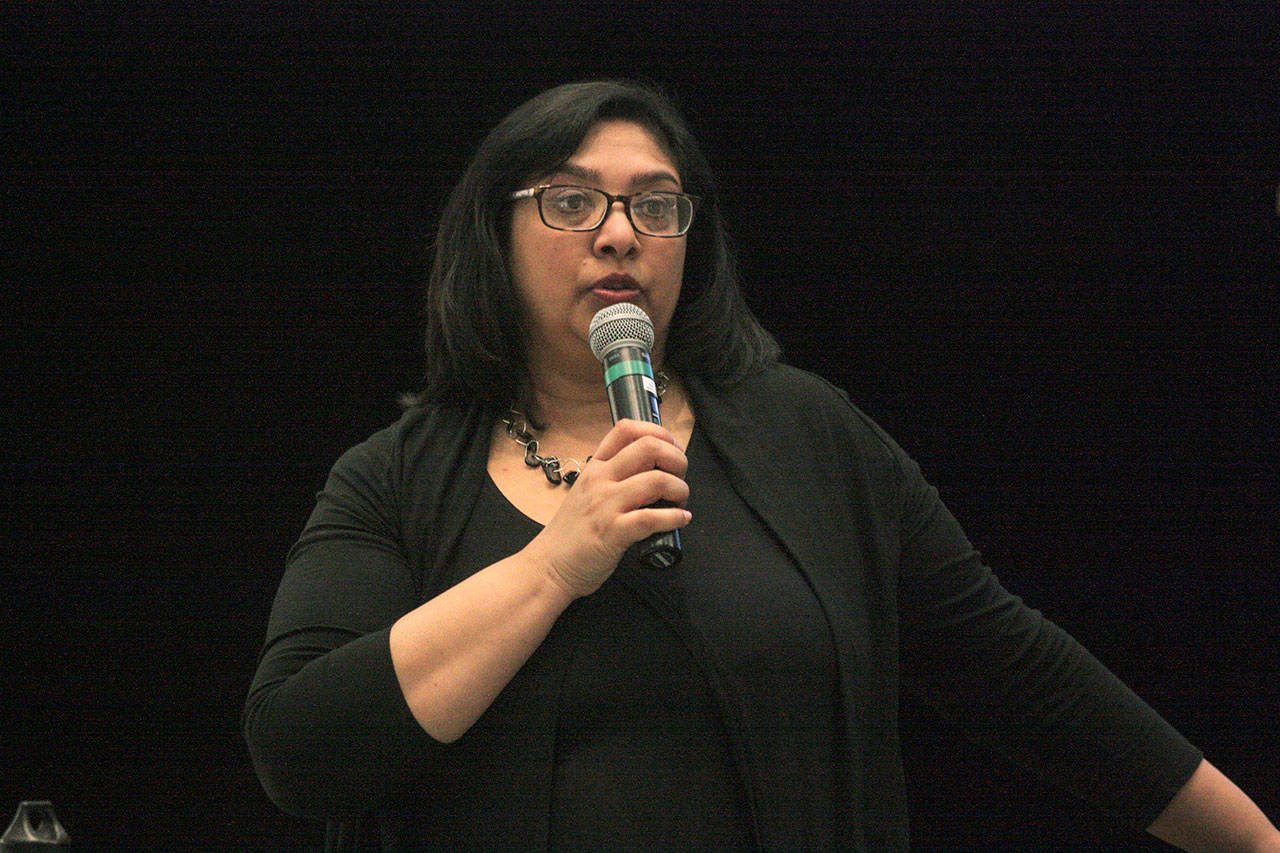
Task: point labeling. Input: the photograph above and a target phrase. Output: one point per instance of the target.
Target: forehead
(621, 148)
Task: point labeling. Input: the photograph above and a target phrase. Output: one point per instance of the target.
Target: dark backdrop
(1038, 246)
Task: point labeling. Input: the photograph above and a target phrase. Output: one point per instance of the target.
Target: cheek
(519, 251)
(527, 258)
(536, 250)
(673, 264)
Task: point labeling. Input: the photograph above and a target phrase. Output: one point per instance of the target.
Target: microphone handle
(633, 393)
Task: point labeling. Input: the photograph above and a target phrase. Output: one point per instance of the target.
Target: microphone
(621, 336)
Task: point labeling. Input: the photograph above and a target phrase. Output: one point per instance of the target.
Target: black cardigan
(332, 737)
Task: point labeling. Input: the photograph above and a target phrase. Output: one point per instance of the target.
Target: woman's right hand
(610, 506)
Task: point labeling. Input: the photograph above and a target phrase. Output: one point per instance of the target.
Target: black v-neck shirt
(648, 750)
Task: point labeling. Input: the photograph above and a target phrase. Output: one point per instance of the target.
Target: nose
(615, 235)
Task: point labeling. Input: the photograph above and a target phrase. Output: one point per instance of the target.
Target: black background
(1037, 243)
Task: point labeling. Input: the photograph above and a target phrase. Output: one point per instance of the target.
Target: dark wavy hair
(476, 333)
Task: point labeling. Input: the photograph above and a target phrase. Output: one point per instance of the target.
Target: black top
(643, 756)
(862, 534)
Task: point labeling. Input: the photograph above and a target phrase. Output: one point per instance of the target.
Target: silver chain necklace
(518, 428)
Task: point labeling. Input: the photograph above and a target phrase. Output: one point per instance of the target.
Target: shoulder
(785, 386)
(423, 438)
(789, 401)
(411, 483)
(778, 385)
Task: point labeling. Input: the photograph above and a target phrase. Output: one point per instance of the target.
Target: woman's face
(564, 277)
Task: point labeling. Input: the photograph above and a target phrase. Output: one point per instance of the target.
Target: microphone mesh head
(620, 323)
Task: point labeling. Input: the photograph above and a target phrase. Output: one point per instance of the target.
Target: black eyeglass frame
(536, 193)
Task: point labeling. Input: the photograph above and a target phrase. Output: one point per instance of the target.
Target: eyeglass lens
(657, 213)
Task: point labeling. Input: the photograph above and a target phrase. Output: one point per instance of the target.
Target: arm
(1071, 718)
(499, 616)
(360, 682)
(1019, 684)
(1210, 813)
(496, 619)
(1025, 688)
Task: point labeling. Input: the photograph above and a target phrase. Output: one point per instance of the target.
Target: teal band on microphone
(624, 368)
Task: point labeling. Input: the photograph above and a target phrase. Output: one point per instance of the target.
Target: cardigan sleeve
(1016, 681)
(327, 725)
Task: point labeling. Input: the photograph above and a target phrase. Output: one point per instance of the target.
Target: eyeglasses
(657, 213)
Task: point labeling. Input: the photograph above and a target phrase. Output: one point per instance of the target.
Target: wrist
(553, 583)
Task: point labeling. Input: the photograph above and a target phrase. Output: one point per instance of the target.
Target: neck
(563, 403)
(565, 392)
(570, 394)
(575, 402)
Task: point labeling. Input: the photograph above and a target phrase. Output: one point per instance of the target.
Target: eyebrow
(584, 174)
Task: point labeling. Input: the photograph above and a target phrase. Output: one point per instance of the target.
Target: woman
(463, 651)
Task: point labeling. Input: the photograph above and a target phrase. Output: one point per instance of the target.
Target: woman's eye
(654, 207)
(571, 201)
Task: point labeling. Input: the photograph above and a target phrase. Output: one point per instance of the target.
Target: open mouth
(616, 288)
(617, 284)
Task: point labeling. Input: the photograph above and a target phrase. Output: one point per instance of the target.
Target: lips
(616, 281)
(616, 287)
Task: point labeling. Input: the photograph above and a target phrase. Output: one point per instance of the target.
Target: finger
(646, 454)
(650, 520)
(627, 431)
(648, 488)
